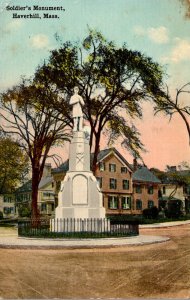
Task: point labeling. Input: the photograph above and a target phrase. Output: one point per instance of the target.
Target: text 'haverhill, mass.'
(35, 12)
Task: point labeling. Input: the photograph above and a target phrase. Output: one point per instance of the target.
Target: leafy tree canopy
(14, 165)
(111, 80)
(173, 175)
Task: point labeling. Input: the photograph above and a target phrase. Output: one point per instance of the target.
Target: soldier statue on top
(77, 102)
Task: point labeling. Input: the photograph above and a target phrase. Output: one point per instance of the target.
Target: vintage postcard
(94, 149)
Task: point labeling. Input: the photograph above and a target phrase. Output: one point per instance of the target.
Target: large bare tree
(171, 106)
(35, 126)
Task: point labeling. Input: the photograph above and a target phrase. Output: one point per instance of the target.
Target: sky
(158, 28)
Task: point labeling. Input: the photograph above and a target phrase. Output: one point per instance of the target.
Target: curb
(73, 245)
(164, 225)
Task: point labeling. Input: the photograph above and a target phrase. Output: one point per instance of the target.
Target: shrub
(1, 215)
(24, 211)
(174, 209)
(150, 213)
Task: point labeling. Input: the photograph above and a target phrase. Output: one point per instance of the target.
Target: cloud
(10, 27)
(139, 30)
(158, 35)
(180, 52)
(14, 25)
(40, 41)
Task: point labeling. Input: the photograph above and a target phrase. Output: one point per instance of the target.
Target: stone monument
(79, 196)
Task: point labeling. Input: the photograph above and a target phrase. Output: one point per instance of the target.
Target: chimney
(134, 164)
(172, 168)
(47, 170)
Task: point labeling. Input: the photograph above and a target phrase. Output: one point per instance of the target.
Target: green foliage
(111, 80)
(24, 211)
(177, 178)
(174, 209)
(150, 213)
(14, 165)
(1, 215)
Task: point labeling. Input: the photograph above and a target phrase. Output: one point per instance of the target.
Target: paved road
(159, 270)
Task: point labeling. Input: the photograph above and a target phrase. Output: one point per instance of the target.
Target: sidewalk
(11, 240)
(17, 242)
(165, 224)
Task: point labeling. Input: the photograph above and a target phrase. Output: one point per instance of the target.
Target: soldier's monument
(80, 196)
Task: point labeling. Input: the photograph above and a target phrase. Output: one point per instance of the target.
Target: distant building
(7, 205)
(114, 176)
(46, 199)
(124, 190)
(145, 189)
(175, 188)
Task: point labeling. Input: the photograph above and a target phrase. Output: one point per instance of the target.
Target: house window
(7, 210)
(138, 189)
(102, 166)
(113, 202)
(52, 206)
(12, 210)
(150, 189)
(113, 183)
(138, 204)
(99, 180)
(25, 197)
(164, 190)
(7, 199)
(58, 186)
(112, 167)
(126, 202)
(123, 170)
(150, 203)
(48, 194)
(186, 190)
(43, 207)
(125, 184)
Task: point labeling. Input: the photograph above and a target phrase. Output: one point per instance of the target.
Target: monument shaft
(80, 196)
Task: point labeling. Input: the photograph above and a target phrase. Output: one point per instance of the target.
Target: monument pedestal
(80, 196)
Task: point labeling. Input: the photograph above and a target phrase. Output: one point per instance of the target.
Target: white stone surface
(80, 196)
(12, 242)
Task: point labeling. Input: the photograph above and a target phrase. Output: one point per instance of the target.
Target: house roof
(168, 179)
(166, 198)
(45, 181)
(63, 168)
(104, 153)
(143, 174)
(27, 187)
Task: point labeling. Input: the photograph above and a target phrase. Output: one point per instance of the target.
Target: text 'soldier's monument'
(80, 196)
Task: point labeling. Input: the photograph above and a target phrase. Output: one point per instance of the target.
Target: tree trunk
(35, 184)
(96, 151)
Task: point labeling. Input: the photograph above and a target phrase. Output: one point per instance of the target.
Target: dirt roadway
(156, 271)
